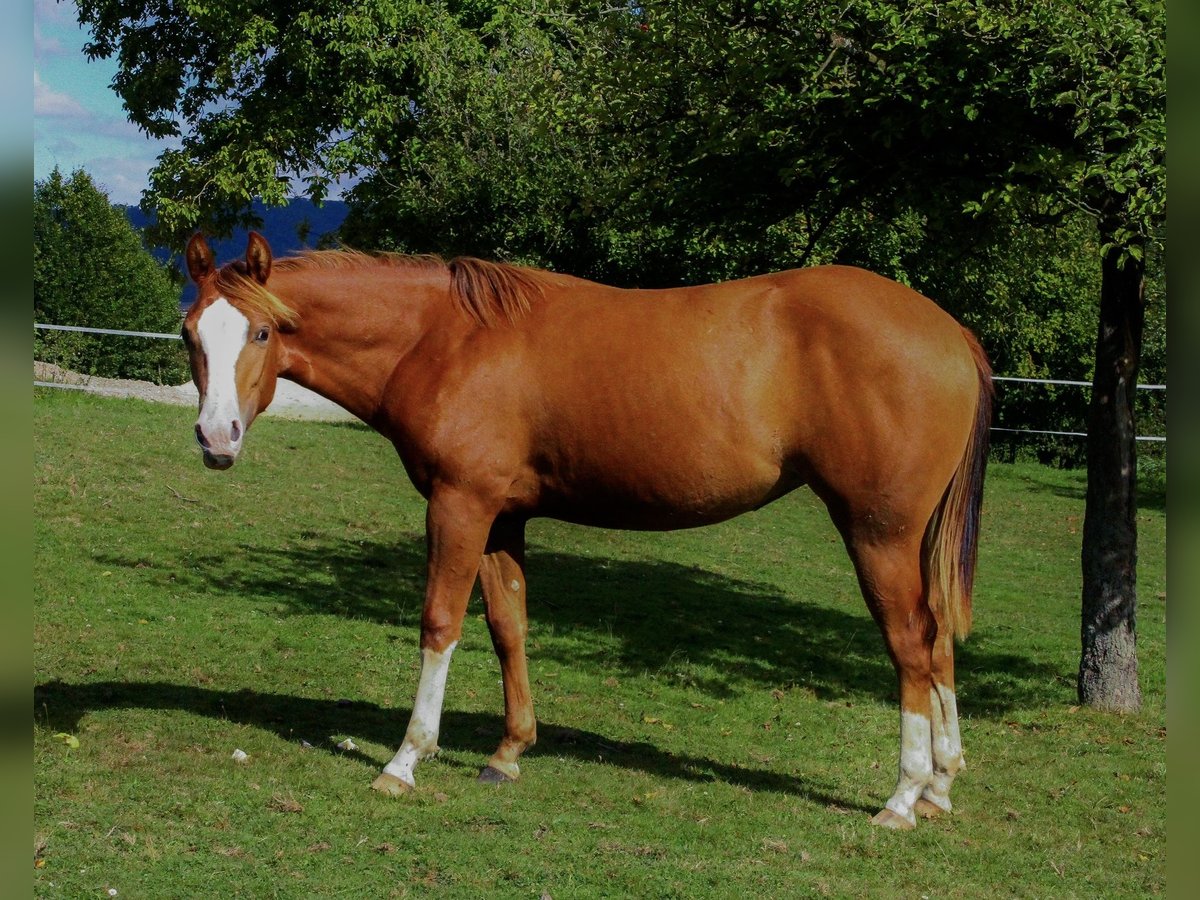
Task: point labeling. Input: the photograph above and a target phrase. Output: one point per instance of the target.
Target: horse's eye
(263, 334)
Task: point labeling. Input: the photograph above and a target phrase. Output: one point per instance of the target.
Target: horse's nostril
(235, 431)
(200, 439)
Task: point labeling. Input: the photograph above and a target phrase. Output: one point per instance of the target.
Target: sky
(78, 121)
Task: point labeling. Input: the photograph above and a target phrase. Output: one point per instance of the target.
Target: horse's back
(765, 348)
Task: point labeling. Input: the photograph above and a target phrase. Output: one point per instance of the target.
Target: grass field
(717, 715)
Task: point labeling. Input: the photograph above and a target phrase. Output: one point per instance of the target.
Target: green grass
(717, 715)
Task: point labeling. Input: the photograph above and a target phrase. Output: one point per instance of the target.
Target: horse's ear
(258, 258)
(200, 260)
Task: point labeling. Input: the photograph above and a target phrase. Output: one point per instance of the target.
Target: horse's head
(233, 345)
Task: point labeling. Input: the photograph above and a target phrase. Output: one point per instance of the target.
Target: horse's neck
(354, 330)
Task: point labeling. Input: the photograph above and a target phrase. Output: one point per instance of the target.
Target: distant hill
(282, 227)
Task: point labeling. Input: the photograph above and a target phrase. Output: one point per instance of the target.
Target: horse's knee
(438, 631)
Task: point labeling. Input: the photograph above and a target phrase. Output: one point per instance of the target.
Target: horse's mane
(234, 284)
(487, 292)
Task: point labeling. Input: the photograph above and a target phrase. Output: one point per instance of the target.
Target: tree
(90, 269)
(271, 98)
(664, 142)
(487, 169)
(1043, 109)
(1091, 137)
(1081, 89)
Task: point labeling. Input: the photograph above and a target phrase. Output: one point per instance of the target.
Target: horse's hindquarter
(889, 391)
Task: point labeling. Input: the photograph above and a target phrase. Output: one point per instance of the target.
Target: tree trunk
(1108, 667)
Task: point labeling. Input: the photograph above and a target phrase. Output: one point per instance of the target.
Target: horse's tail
(952, 536)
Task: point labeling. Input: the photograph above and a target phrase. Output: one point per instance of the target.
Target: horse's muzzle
(221, 453)
(218, 460)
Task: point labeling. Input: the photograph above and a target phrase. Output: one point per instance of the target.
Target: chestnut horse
(511, 393)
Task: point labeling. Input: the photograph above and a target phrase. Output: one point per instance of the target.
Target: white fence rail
(1013, 378)
(145, 334)
(1144, 438)
(1140, 387)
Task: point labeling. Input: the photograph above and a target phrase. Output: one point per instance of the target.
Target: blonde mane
(486, 292)
(234, 284)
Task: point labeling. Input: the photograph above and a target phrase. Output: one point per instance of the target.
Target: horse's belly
(638, 499)
(642, 518)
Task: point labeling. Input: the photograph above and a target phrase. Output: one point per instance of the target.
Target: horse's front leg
(456, 529)
(503, 577)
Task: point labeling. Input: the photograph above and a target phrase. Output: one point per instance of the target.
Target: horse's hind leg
(947, 743)
(890, 576)
(502, 574)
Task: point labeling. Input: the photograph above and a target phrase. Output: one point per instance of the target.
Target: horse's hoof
(390, 785)
(927, 809)
(492, 775)
(889, 819)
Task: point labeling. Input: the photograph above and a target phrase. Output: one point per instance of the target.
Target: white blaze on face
(223, 332)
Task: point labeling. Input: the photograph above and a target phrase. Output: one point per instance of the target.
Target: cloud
(122, 178)
(46, 46)
(61, 146)
(55, 11)
(54, 104)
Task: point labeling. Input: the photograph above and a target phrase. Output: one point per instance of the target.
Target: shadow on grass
(1151, 489)
(717, 634)
(293, 718)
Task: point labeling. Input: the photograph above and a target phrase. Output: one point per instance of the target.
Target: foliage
(272, 96)
(717, 712)
(657, 143)
(90, 269)
(733, 117)
(485, 170)
(1033, 295)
